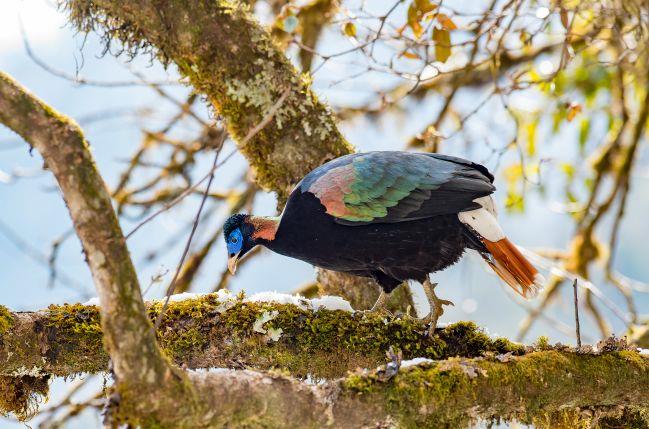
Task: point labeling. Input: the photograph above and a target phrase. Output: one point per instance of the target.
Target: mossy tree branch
(65, 151)
(231, 59)
(207, 332)
(550, 388)
(139, 365)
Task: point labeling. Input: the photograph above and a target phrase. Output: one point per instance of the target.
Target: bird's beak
(232, 263)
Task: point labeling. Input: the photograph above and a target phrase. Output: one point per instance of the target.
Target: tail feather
(511, 266)
(501, 254)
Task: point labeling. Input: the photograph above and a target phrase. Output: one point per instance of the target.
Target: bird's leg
(436, 306)
(380, 302)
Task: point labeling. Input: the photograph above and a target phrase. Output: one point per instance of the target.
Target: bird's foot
(380, 302)
(379, 306)
(436, 306)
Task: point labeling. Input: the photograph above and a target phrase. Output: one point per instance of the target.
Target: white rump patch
(483, 220)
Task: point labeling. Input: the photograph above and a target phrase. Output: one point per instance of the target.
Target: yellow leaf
(442, 40)
(414, 16)
(425, 6)
(410, 55)
(513, 172)
(530, 130)
(349, 29)
(573, 110)
(446, 22)
(416, 13)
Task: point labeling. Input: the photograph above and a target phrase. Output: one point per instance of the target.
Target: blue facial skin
(235, 242)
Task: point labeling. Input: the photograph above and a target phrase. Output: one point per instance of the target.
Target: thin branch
(172, 285)
(256, 129)
(576, 299)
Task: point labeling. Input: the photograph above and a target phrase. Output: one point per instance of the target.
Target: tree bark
(210, 332)
(552, 387)
(65, 151)
(229, 57)
(139, 365)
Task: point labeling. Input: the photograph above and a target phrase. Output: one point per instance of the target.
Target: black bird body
(392, 216)
(390, 253)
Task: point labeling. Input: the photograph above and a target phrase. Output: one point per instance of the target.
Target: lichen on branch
(230, 57)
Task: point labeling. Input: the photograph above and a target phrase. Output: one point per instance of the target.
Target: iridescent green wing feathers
(386, 187)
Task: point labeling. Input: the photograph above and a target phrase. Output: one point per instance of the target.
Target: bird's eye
(233, 240)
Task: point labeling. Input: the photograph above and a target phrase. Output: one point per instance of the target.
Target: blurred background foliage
(550, 95)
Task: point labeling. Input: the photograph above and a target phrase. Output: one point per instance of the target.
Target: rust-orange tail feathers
(503, 256)
(511, 266)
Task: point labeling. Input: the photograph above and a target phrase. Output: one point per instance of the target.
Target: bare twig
(576, 299)
(191, 189)
(172, 285)
(269, 116)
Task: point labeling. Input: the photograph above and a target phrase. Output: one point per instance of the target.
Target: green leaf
(568, 169)
(584, 131)
(442, 38)
(514, 202)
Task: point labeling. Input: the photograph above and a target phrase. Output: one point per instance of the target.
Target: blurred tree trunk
(229, 57)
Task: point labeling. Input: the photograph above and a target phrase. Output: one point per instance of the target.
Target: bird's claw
(381, 310)
(436, 307)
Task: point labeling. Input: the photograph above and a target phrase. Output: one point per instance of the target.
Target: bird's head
(243, 232)
(237, 231)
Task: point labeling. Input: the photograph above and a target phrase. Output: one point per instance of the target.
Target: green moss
(542, 343)
(323, 343)
(241, 70)
(20, 395)
(534, 388)
(6, 319)
(77, 337)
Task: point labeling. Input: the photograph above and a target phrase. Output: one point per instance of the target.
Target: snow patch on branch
(326, 302)
(415, 362)
(92, 301)
(331, 303)
(279, 298)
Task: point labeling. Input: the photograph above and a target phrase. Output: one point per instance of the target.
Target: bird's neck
(265, 228)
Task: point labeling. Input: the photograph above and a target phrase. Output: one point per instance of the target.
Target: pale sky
(40, 19)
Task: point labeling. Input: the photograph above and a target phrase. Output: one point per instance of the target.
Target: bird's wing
(389, 187)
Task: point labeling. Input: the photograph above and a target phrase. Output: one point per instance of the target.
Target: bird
(392, 216)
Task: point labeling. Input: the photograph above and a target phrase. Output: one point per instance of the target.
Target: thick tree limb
(138, 363)
(65, 152)
(229, 57)
(550, 389)
(545, 387)
(207, 332)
